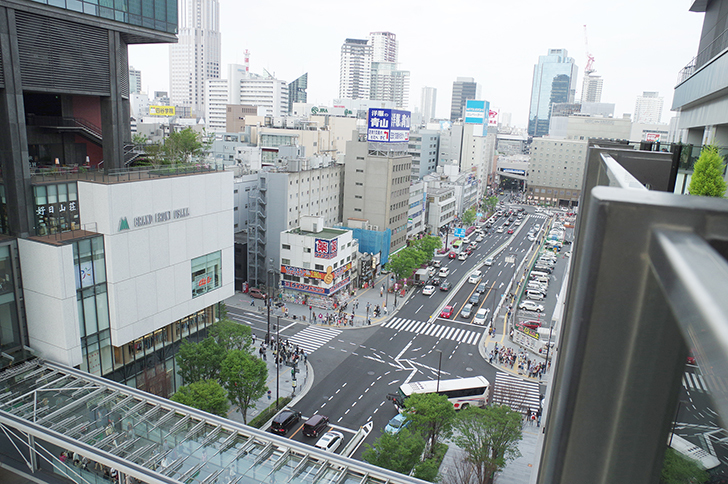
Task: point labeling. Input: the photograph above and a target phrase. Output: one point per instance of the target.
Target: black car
(445, 286)
(475, 298)
(435, 281)
(283, 422)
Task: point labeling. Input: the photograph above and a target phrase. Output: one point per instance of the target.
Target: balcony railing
(648, 283)
(711, 50)
(57, 173)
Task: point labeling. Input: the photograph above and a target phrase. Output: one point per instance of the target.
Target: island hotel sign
(153, 218)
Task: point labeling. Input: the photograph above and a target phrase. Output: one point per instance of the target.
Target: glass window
(89, 312)
(206, 273)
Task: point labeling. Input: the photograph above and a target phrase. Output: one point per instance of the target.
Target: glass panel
(106, 365)
(135, 7)
(74, 5)
(106, 13)
(40, 196)
(52, 193)
(79, 301)
(90, 9)
(89, 311)
(102, 309)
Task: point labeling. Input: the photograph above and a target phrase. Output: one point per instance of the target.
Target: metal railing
(709, 52)
(116, 175)
(648, 284)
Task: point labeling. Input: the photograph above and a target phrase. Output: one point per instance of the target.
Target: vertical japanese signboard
(388, 126)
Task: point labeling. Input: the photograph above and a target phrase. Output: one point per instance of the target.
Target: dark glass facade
(158, 15)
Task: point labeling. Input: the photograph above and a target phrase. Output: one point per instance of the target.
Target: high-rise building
(463, 88)
(355, 73)
(428, 103)
(384, 46)
(390, 84)
(196, 57)
(554, 81)
(591, 91)
(135, 81)
(297, 92)
(648, 108)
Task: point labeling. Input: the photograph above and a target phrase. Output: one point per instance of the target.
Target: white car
(531, 238)
(428, 290)
(500, 230)
(443, 272)
(474, 277)
(530, 306)
(462, 255)
(489, 261)
(479, 238)
(330, 441)
(481, 316)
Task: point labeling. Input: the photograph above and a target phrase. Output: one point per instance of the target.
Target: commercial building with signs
(463, 88)
(317, 263)
(554, 81)
(556, 171)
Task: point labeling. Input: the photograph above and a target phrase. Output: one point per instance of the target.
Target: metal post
(267, 335)
(278, 355)
(439, 365)
(548, 345)
(386, 293)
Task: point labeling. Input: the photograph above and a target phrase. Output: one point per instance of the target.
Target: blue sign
(479, 214)
(476, 112)
(459, 232)
(388, 126)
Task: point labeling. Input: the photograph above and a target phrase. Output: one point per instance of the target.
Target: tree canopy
(469, 216)
(231, 335)
(199, 361)
(707, 179)
(432, 415)
(205, 395)
(489, 437)
(404, 262)
(398, 452)
(244, 377)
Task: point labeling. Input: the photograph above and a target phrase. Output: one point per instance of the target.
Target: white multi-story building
(648, 108)
(317, 262)
(355, 70)
(135, 80)
(416, 221)
(390, 84)
(196, 56)
(591, 91)
(556, 171)
(384, 46)
(423, 146)
(428, 102)
(441, 208)
(265, 92)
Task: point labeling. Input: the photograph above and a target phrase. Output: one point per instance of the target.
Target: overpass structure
(46, 408)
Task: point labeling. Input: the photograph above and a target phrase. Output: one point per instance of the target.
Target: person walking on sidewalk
(381, 291)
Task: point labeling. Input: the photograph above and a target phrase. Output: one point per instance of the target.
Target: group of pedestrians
(287, 353)
(510, 358)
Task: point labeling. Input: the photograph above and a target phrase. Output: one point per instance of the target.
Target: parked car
(428, 290)
(445, 286)
(467, 311)
(443, 272)
(530, 306)
(397, 423)
(330, 441)
(446, 312)
(534, 324)
(283, 422)
(474, 277)
(481, 316)
(256, 293)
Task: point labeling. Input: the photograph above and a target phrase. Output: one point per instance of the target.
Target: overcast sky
(638, 45)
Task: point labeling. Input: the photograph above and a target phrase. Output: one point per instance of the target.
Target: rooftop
(326, 233)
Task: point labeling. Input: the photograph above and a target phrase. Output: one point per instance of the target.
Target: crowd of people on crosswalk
(510, 358)
(284, 352)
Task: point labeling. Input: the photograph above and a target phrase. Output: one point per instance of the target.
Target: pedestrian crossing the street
(520, 395)
(313, 338)
(461, 335)
(694, 382)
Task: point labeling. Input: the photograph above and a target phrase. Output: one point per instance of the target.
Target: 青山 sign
(388, 126)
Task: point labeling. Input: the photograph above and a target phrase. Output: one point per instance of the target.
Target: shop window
(206, 273)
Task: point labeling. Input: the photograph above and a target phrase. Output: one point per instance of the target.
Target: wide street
(355, 369)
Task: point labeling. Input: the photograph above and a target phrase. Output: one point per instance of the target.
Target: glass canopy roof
(159, 441)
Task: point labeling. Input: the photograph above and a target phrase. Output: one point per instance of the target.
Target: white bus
(462, 392)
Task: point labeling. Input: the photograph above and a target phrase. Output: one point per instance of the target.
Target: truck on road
(421, 277)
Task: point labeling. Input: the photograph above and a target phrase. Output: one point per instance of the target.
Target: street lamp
(267, 335)
(439, 365)
(278, 356)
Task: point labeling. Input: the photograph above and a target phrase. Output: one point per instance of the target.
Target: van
(541, 279)
(538, 273)
(315, 425)
(543, 268)
(530, 294)
(466, 240)
(536, 286)
(284, 421)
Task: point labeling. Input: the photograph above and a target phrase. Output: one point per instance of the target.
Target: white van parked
(535, 274)
(535, 295)
(541, 279)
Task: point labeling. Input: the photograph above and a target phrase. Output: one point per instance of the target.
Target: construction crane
(589, 58)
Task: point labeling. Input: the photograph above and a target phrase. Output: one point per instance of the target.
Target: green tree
(199, 361)
(244, 377)
(428, 244)
(139, 139)
(231, 335)
(205, 395)
(400, 452)
(403, 263)
(432, 415)
(707, 179)
(489, 437)
(677, 469)
(182, 146)
(469, 216)
(490, 203)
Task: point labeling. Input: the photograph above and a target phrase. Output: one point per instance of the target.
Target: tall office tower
(554, 81)
(196, 57)
(463, 89)
(428, 102)
(389, 84)
(384, 46)
(355, 73)
(591, 90)
(648, 108)
(297, 92)
(135, 81)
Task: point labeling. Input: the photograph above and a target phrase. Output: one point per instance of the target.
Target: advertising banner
(326, 249)
(297, 286)
(476, 111)
(388, 126)
(311, 274)
(161, 110)
(492, 117)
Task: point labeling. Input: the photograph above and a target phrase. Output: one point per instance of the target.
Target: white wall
(49, 289)
(149, 267)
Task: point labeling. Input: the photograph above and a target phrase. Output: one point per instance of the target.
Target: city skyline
(632, 55)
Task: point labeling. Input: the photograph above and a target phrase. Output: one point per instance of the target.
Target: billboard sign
(326, 249)
(161, 110)
(476, 111)
(652, 137)
(492, 117)
(388, 125)
(459, 232)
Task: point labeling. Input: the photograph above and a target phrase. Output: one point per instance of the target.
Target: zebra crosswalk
(694, 382)
(462, 335)
(520, 395)
(313, 338)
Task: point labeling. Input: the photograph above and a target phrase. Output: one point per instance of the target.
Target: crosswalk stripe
(391, 322)
(702, 383)
(410, 325)
(456, 335)
(400, 324)
(431, 328)
(466, 336)
(418, 327)
(313, 337)
(474, 339)
(439, 330)
(449, 332)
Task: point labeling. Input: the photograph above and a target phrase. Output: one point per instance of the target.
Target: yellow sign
(161, 110)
